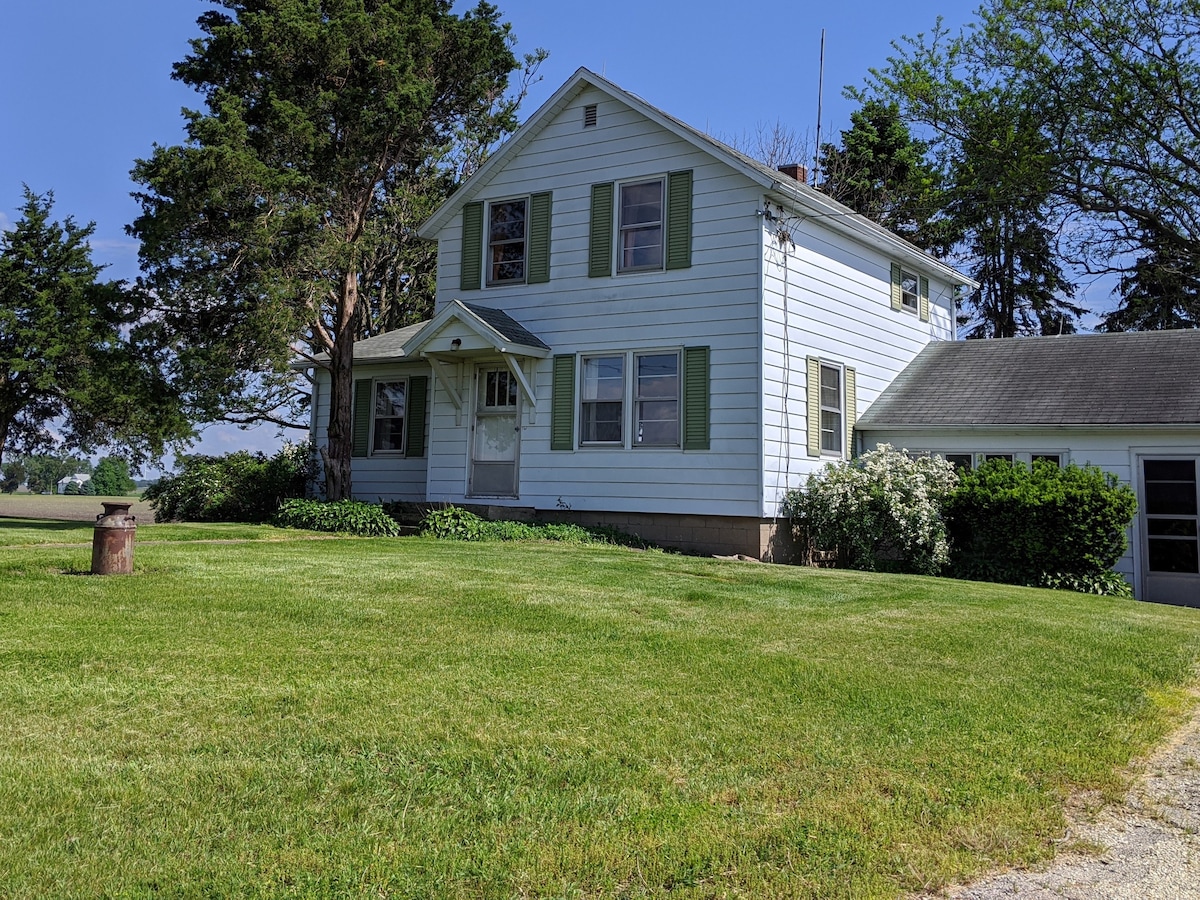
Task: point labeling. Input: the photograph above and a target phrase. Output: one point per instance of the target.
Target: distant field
(48, 506)
(280, 716)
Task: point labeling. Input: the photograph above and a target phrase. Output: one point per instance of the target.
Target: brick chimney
(795, 170)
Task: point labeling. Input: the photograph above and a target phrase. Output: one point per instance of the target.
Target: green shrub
(881, 511)
(1107, 583)
(452, 523)
(340, 516)
(238, 487)
(455, 523)
(1043, 525)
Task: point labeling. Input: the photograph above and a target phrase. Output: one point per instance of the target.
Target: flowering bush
(881, 511)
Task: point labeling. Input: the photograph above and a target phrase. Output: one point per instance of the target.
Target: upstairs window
(908, 290)
(641, 226)
(507, 235)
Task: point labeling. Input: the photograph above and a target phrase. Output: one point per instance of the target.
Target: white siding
(829, 297)
(1112, 449)
(382, 478)
(714, 303)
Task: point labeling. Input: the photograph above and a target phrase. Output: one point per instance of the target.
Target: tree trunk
(339, 429)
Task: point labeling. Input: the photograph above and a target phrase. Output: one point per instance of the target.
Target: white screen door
(1171, 530)
(496, 434)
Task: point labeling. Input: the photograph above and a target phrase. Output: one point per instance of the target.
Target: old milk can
(112, 541)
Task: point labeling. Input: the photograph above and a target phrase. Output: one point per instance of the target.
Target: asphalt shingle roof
(506, 326)
(1143, 378)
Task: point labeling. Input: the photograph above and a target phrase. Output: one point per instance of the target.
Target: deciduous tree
(111, 478)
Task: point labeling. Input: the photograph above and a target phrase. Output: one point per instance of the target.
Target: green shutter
(696, 407)
(896, 301)
(851, 408)
(471, 265)
(679, 220)
(539, 239)
(600, 241)
(923, 302)
(562, 403)
(814, 406)
(361, 431)
(416, 400)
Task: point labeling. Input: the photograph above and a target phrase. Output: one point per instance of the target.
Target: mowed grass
(410, 718)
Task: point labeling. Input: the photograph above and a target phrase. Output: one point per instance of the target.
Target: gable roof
(506, 326)
(784, 189)
(498, 329)
(1141, 378)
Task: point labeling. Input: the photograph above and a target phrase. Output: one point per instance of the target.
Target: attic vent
(589, 116)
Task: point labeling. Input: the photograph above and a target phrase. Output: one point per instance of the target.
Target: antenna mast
(820, 97)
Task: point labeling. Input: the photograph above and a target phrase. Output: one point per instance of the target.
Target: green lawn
(408, 718)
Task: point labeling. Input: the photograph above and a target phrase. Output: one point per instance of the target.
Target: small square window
(1053, 458)
(507, 224)
(641, 226)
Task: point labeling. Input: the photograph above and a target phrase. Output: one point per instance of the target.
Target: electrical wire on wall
(783, 457)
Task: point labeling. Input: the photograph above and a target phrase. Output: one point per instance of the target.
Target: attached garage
(1128, 403)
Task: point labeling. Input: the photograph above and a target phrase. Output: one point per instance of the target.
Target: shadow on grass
(7, 523)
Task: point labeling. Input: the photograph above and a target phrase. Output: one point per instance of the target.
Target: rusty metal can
(112, 540)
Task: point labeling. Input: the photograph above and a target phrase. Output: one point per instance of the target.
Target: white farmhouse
(637, 325)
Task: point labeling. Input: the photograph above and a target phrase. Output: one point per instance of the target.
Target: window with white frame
(507, 239)
(640, 226)
(961, 459)
(387, 427)
(909, 298)
(653, 416)
(602, 400)
(656, 400)
(832, 411)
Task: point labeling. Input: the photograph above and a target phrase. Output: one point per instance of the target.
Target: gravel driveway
(1151, 848)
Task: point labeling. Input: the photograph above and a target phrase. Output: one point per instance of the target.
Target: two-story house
(637, 325)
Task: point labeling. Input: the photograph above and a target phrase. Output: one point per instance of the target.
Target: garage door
(1171, 530)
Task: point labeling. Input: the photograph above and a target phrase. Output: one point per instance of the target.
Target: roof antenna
(820, 96)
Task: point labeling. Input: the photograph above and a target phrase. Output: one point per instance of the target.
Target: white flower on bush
(882, 510)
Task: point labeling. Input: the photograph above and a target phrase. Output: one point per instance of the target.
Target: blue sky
(85, 86)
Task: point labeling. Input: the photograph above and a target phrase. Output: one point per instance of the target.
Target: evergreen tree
(287, 222)
(71, 348)
(1161, 291)
(1001, 178)
(881, 171)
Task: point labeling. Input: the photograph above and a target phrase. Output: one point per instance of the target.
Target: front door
(495, 434)
(1171, 530)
